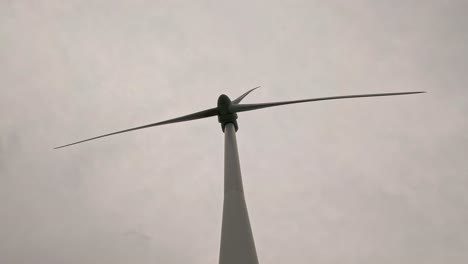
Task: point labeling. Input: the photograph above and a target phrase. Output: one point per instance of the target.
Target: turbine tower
(237, 242)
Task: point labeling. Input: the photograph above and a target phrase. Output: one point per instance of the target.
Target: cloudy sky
(379, 180)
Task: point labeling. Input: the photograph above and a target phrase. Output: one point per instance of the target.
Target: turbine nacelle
(224, 102)
(225, 115)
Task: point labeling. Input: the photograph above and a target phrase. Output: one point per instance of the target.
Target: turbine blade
(198, 115)
(239, 99)
(248, 107)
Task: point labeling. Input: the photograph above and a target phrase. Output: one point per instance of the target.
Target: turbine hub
(225, 115)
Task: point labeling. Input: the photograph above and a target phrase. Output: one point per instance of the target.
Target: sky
(370, 180)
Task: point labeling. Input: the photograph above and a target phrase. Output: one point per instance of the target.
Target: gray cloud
(359, 181)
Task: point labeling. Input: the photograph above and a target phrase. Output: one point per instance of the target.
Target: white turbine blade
(198, 115)
(249, 107)
(239, 99)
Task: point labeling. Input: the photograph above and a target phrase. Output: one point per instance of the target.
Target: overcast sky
(373, 180)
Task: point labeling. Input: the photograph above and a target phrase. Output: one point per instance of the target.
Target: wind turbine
(237, 242)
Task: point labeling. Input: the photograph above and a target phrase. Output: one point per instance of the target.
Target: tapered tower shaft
(237, 243)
